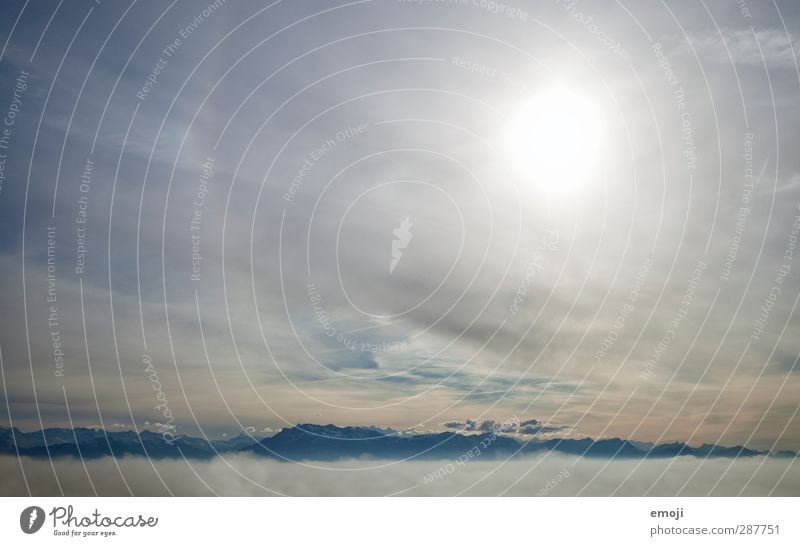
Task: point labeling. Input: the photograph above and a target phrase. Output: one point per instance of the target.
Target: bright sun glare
(555, 139)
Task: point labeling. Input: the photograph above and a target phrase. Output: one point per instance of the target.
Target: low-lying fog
(549, 474)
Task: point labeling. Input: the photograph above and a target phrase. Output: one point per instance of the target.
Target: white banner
(381, 521)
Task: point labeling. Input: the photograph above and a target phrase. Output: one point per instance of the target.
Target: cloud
(769, 46)
(246, 476)
(538, 429)
(510, 426)
(471, 425)
(440, 325)
(453, 424)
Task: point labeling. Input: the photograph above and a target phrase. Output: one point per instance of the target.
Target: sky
(230, 216)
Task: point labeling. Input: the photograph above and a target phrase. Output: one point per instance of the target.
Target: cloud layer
(557, 475)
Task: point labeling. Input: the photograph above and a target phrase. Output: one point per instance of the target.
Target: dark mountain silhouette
(330, 442)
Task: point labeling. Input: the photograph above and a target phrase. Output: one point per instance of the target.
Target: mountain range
(330, 442)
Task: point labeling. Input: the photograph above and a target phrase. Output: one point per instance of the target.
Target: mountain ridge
(310, 441)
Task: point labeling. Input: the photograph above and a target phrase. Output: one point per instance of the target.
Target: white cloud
(747, 47)
(245, 475)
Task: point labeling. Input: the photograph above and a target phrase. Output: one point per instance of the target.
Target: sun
(555, 139)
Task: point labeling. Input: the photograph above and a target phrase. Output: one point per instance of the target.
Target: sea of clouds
(543, 475)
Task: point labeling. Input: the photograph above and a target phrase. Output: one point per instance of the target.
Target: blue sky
(379, 111)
